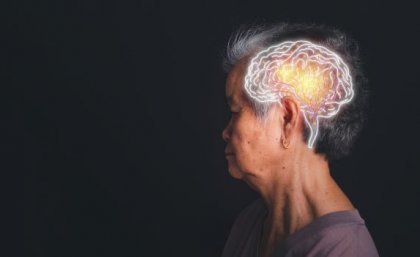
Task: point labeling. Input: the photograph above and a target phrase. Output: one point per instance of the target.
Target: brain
(312, 74)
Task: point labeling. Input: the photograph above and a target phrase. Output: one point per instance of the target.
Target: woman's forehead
(235, 82)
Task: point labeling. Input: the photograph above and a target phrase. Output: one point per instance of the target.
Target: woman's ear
(291, 117)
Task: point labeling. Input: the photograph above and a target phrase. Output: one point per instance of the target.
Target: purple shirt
(335, 234)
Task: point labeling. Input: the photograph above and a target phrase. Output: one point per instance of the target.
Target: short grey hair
(337, 134)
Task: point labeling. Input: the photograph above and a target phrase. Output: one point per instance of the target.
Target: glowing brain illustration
(312, 74)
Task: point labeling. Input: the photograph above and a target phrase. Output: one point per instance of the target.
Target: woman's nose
(226, 133)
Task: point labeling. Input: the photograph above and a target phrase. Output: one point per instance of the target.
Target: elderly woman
(296, 96)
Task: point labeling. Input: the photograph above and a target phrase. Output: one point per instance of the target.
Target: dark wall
(113, 113)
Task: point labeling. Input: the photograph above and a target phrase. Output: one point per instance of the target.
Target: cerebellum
(312, 74)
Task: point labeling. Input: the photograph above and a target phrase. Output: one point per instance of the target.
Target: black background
(113, 113)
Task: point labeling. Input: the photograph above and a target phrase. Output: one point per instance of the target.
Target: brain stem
(312, 122)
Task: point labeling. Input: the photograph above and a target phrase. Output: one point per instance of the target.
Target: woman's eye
(234, 114)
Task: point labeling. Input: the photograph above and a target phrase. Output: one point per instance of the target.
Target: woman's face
(253, 146)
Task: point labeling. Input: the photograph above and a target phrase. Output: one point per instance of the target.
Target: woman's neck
(295, 194)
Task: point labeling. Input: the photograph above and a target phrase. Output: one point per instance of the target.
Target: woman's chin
(235, 172)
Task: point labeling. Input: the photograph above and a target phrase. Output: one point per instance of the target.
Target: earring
(285, 143)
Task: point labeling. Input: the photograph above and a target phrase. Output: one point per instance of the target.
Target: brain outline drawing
(314, 75)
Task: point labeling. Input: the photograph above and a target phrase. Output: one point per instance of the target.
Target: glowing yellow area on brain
(310, 83)
(315, 76)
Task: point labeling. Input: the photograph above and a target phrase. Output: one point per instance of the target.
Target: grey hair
(337, 134)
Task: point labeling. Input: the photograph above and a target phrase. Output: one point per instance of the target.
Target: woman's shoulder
(341, 233)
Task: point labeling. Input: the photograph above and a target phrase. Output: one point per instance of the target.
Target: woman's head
(336, 134)
(255, 146)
